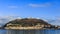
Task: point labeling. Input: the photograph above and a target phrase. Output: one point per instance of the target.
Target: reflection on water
(2, 31)
(30, 31)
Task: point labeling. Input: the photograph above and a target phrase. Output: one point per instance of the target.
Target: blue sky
(30, 8)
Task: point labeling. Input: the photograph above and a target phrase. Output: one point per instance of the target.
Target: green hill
(27, 22)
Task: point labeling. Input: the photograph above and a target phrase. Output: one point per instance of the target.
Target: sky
(30, 8)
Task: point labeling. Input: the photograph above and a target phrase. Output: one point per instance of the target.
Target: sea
(45, 31)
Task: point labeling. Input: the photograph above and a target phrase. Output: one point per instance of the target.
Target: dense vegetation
(27, 22)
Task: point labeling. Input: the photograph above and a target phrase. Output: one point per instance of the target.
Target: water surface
(46, 31)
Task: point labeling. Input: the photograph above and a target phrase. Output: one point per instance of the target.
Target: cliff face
(27, 22)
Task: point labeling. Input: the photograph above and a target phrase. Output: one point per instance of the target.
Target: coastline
(28, 28)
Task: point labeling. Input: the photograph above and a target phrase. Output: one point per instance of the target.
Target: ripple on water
(30, 31)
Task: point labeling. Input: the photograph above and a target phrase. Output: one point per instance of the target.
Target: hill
(28, 22)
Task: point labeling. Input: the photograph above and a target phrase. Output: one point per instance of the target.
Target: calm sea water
(29, 31)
